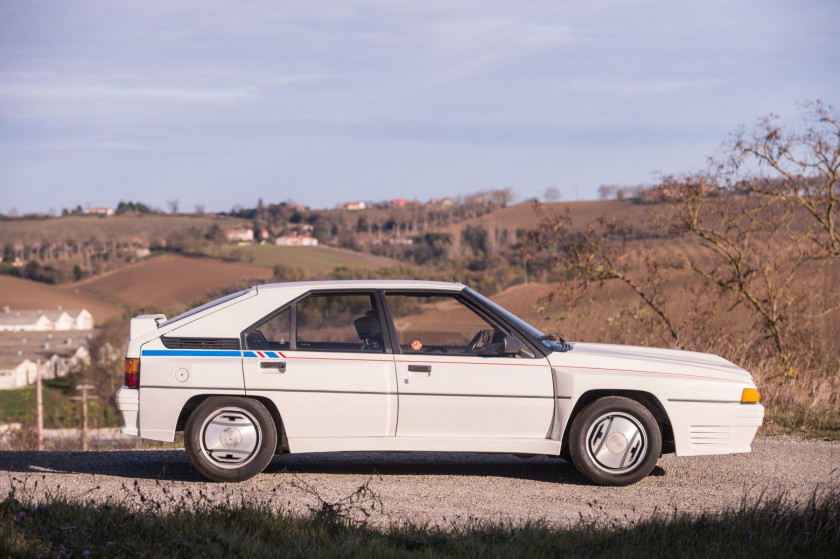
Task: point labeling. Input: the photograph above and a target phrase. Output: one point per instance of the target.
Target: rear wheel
(615, 441)
(230, 438)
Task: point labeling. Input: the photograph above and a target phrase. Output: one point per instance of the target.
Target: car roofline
(363, 284)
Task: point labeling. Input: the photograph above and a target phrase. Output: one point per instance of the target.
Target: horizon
(225, 104)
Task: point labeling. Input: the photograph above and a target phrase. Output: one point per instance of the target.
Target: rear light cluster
(131, 367)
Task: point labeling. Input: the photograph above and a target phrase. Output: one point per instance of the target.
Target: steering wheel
(474, 341)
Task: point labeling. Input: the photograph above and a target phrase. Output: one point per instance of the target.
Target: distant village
(52, 341)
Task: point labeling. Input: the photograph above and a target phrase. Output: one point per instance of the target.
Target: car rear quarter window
(339, 322)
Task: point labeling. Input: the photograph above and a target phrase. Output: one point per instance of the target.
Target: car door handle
(279, 365)
(420, 369)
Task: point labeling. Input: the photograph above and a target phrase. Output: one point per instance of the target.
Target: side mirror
(510, 346)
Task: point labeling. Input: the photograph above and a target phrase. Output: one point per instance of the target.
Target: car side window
(338, 322)
(441, 324)
(274, 333)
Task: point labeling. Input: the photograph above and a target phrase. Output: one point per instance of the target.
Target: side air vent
(200, 343)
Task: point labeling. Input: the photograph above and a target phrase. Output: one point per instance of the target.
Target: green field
(19, 406)
(317, 260)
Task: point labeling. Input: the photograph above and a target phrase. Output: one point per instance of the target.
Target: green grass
(19, 406)
(317, 260)
(774, 527)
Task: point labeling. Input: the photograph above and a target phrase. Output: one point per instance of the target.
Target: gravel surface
(434, 488)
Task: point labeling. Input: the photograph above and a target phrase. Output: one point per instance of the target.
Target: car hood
(648, 360)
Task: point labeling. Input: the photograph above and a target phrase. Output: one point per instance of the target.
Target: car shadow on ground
(172, 465)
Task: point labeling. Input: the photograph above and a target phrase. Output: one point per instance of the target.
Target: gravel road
(435, 488)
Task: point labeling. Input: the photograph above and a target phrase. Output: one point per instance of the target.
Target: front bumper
(714, 428)
(128, 402)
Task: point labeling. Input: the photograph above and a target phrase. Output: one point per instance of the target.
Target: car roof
(364, 284)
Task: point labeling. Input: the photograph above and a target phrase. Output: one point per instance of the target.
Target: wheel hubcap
(616, 442)
(230, 437)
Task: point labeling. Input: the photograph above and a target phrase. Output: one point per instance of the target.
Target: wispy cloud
(387, 96)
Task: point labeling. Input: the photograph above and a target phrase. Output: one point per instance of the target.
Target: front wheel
(615, 441)
(230, 438)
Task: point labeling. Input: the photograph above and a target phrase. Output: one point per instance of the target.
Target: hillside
(83, 227)
(522, 216)
(21, 294)
(169, 281)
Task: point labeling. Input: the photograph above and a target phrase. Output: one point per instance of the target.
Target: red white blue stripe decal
(211, 353)
(264, 354)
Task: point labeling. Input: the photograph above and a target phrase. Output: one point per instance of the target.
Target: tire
(229, 438)
(615, 441)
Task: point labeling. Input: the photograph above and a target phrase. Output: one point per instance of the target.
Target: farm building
(22, 353)
(240, 235)
(108, 212)
(44, 321)
(296, 241)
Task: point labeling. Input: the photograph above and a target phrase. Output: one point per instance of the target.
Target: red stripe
(477, 363)
(648, 373)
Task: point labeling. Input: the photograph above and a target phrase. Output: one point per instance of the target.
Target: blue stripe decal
(249, 354)
(191, 353)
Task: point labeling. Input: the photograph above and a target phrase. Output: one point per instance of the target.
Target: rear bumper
(128, 402)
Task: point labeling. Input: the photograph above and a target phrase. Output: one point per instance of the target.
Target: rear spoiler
(144, 324)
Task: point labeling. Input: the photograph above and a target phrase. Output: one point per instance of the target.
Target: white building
(296, 241)
(44, 321)
(22, 353)
(240, 235)
(99, 211)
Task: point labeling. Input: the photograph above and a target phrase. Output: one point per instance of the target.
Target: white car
(417, 366)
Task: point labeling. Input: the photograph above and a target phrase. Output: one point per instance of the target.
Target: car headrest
(367, 327)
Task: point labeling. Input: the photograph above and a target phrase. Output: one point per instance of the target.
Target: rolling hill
(21, 294)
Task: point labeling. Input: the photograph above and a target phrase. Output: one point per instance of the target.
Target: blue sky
(221, 103)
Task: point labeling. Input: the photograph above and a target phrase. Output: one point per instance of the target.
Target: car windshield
(206, 306)
(547, 340)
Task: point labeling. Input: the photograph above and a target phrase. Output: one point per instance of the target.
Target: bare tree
(552, 194)
(598, 254)
(199, 209)
(766, 217)
(751, 248)
(797, 168)
(173, 205)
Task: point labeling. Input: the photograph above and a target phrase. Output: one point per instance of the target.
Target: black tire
(229, 438)
(615, 441)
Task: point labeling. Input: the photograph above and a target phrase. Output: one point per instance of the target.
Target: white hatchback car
(417, 366)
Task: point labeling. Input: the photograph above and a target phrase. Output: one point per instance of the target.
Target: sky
(217, 103)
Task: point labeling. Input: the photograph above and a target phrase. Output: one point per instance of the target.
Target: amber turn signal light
(750, 396)
(131, 368)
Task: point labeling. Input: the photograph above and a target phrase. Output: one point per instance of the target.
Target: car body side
(695, 397)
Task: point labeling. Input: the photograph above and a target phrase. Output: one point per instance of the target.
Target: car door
(453, 382)
(324, 362)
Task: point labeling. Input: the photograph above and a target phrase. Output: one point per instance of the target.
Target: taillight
(131, 367)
